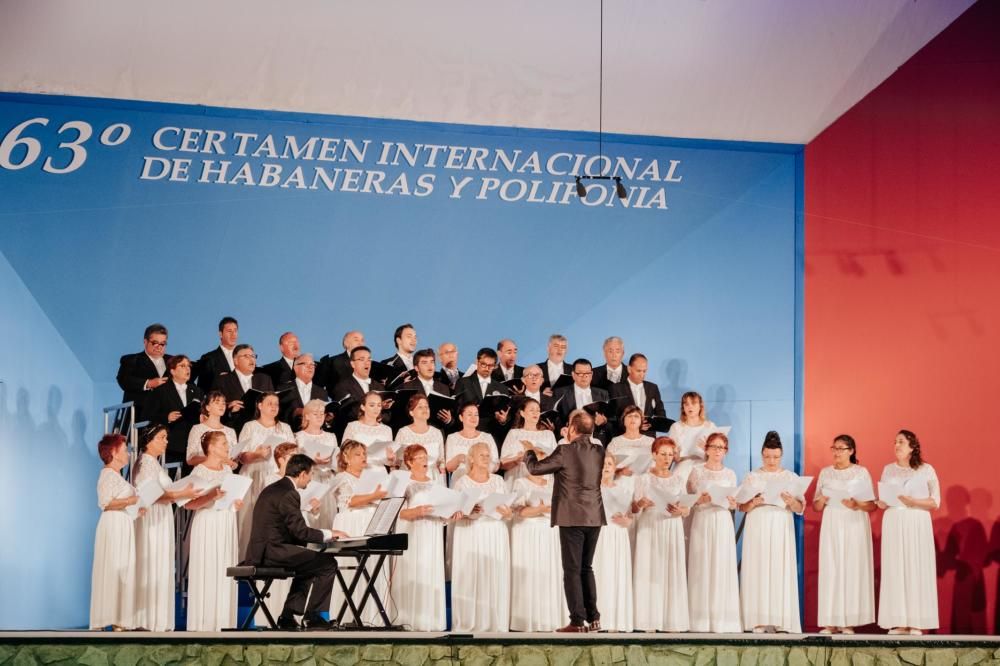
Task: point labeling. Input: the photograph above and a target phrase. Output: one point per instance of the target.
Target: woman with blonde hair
(689, 432)
(311, 439)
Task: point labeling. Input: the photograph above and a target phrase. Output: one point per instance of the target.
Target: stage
(508, 649)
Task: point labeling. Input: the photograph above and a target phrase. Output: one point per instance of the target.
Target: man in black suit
(507, 367)
(278, 536)
(581, 393)
(532, 378)
(555, 365)
(235, 385)
(294, 395)
(613, 371)
(578, 512)
(351, 391)
(480, 384)
(140, 373)
(331, 370)
(219, 361)
(282, 371)
(448, 357)
(635, 390)
(426, 384)
(177, 405)
(405, 339)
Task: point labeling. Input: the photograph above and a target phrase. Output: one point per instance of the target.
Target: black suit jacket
(230, 386)
(576, 492)
(546, 380)
(654, 403)
(278, 532)
(601, 381)
(400, 417)
(331, 370)
(133, 371)
(498, 376)
(279, 372)
(442, 376)
(290, 400)
(209, 367)
(165, 399)
(352, 389)
(566, 403)
(469, 390)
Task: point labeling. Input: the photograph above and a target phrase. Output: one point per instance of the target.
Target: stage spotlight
(581, 191)
(619, 188)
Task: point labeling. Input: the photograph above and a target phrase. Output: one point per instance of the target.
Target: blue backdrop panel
(698, 270)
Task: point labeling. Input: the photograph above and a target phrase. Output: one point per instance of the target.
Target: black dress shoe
(315, 622)
(287, 623)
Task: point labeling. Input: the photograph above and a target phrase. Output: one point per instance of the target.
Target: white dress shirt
(365, 383)
(246, 381)
(508, 373)
(159, 364)
(428, 385)
(305, 390)
(483, 384)
(615, 374)
(228, 353)
(182, 391)
(407, 359)
(583, 396)
(534, 396)
(638, 394)
(555, 370)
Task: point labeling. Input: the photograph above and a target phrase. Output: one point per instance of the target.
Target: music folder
(659, 423)
(496, 402)
(563, 380)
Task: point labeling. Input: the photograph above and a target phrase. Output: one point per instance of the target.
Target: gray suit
(578, 511)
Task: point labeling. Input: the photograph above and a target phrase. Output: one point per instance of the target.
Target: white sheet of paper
(446, 502)
(149, 491)
(235, 487)
(720, 494)
(370, 479)
(200, 484)
(398, 480)
(377, 451)
(836, 495)
(690, 445)
(861, 490)
(917, 488)
(494, 500)
(470, 498)
(660, 498)
(616, 500)
(745, 493)
(889, 492)
(315, 490)
(316, 449)
(638, 461)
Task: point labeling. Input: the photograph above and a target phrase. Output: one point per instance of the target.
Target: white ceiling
(755, 70)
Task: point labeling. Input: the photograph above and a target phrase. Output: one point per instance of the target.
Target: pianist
(278, 538)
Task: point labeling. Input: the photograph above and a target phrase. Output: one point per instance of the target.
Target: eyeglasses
(487, 364)
(157, 343)
(307, 365)
(839, 448)
(717, 447)
(582, 374)
(254, 356)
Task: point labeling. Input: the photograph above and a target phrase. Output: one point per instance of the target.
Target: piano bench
(259, 579)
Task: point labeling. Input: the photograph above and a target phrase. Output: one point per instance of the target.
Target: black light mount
(581, 189)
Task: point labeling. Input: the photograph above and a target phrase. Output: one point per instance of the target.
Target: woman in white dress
(660, 572)
(213, 407)
(154, 538)
(713, 585)
(354, 512)
(908, 590)
(689, 433)
(537, 599)
(418, 575)
(214, 544)
(369, 429)
(613, 556)
(769, 580)
(112, 582)
(846, 578)
(256, 457)
(312, 439)
(525, 435)
(632, 440)
(423, 433)
(457, 445)
(480, 575)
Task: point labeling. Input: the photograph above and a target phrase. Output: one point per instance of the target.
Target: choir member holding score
(213, 408)
(689, 432)
(421, 432)
(632, 441)
(212, 596)
(311, 440)
(154, 537)
(555, 365)
(526, 435)
(140, 373)
(908, 491)
(660, 571)
(480, 576)
(112, 587)
(613, 557)
(713, 585)
(369, 429)
(354, 512)
(613, 371)
(235, 385)
(846, 595)
(458, 443)
(769, 581)
(418, 589)
(177, 404)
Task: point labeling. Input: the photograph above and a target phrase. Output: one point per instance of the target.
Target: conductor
(578, 510)
(277, 539)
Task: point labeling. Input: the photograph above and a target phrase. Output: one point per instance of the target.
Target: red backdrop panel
(902, 297)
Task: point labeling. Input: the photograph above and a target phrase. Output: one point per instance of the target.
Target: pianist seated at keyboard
(278, 538)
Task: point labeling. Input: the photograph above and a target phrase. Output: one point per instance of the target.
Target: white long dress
(214, 548)
(418, 575)
(112, 581)
(769, 585)
(194, 449)
(622, 445)
(480, 575)
(537, 599)
(456, 444)
(908, 589)
(846, 578)
(543, 439)
(368, 435)
(713, 585)
(154, 547)
(686, 438)
(613, 568)
(432, 440)
(322, 473)
(354, 521)
(660, 571)
(252, 436)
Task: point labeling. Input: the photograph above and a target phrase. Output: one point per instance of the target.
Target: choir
(666, 560)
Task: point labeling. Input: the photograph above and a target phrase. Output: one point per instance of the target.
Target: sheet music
(369, 480)
(149, 491)
(720, 494)
(378, 451)
(397, 483)
(491, 502)
(235, 487)
(385, 515)
(889, 492)
(315, 490)
(616, 501)
(745, 493)
(445, 502)
(316, 449)
(470, 498)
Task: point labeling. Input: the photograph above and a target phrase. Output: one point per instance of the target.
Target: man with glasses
(581, 393)
(138, 374)
(235, 385)
(294, 395)
(479, 385)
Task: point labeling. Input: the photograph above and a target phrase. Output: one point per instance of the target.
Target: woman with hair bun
(908, 601)
(769, 584)
(846, 595)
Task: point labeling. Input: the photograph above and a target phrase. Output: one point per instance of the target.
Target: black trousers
(318, 575)
(578, 545)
